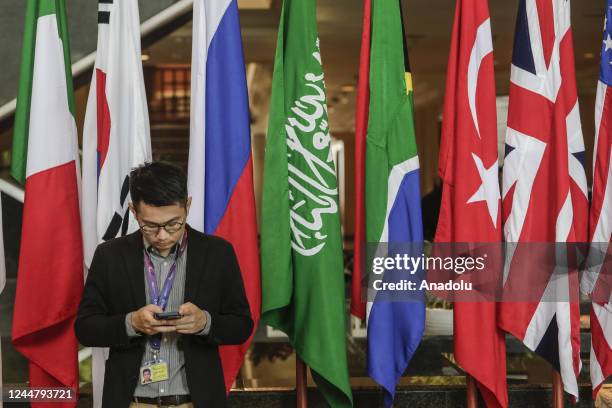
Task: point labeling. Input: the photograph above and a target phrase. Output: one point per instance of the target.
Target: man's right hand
(143, 321)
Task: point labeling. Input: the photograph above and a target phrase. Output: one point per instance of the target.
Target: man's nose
(162, 233)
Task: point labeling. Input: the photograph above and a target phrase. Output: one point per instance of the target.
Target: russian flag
(220, 171)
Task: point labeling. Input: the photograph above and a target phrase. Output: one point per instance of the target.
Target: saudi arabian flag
(301, 241)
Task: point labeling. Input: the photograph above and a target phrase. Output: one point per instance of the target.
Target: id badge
(153, 372)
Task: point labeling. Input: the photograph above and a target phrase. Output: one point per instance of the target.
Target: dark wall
(14, 365)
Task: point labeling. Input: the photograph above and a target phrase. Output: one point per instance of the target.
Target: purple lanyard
(157, 298)
(161, 299)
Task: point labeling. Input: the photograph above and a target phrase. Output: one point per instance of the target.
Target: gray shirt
(169, 352)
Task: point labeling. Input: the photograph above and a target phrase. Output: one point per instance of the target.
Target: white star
(489, 189)
(608, 42)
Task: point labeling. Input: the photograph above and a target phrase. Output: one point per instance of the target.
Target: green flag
(43, 12)
(392, 197)
(301, 240)
(45, 155)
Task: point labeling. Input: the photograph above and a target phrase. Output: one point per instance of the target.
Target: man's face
(146, 375)
(151, 217)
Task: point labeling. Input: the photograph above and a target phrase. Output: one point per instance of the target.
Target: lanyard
(157, 298)
(161, 298)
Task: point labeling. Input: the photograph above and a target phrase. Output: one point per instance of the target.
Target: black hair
(158, 184)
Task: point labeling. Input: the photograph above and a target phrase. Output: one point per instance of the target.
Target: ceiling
(428, 25)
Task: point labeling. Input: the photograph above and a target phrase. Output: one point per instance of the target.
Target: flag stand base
(557, 390)
(300, 383)
(472, 392)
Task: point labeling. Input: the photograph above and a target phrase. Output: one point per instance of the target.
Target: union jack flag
(544, 182)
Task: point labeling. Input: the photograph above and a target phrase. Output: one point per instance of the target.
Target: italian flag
(45, 158)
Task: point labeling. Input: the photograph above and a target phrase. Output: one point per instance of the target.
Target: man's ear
(132, 209)
(187, 205)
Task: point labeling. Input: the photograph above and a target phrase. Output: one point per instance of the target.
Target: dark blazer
(116, 286)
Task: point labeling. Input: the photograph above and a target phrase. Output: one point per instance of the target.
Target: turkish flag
(468, 167)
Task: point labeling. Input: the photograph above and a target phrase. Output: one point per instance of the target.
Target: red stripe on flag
(358, 308)
(602, 349)
(537, 125)
(547, 27)
(104, 120)
(239, 226)
(580, 205)
(568, 92)
(50, 278)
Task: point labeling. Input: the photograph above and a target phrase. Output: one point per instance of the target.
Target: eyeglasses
(153, 229)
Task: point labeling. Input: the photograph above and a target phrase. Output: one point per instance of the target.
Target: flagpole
(300, 383)
(472, 393)
(557, 390)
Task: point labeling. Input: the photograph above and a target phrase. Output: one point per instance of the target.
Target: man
(166, 266)
(146, 375)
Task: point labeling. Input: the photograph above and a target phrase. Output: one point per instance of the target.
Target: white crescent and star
(482, 47)
(488, 190)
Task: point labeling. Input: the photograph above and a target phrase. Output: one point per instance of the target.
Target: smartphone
(167, 316)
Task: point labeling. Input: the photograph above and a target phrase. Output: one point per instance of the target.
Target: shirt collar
(151, 249)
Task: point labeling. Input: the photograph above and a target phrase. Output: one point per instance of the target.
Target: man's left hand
(193, 320)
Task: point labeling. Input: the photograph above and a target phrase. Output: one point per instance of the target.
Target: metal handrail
(159, 20)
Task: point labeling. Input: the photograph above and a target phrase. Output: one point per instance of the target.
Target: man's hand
(193, 320)
(143, 321)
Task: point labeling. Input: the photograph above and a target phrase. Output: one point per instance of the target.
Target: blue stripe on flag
(395, 327)
(228, 142)
(405, 217)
